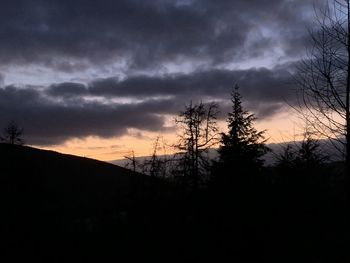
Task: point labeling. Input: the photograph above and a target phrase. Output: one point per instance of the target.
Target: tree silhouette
(157, 165)
(305, 156)
(286, 159)
(324, 77)
(309, 153)
(243, 146)
(12, 134)
(131, 161)
(199, 133)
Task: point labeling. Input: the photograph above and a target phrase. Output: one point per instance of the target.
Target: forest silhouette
(59, 206)
(103, 70)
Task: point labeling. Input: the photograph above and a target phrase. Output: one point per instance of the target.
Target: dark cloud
(48, 123)
(142, 37)
(67, 89)
(62, 33)
(2, 78)
(59, 112)
(267, 85)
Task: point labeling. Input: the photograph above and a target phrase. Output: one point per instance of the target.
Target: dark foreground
(59, 207)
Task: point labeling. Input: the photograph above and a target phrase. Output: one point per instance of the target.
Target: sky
(103, 78)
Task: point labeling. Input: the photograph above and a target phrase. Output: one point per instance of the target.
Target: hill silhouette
(55, 205)
(58, 207)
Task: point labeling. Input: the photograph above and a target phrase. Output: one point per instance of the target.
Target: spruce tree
(243, 146)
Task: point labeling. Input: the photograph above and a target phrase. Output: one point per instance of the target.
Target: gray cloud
(145, 33)
(267, 85)
(67, 89)
(54, 114)
(69, 36)
(48, 123)
(1, 79)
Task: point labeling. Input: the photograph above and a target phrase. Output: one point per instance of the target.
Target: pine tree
(243, 146)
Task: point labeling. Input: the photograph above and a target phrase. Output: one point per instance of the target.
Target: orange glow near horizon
(281, 128)
(108, 149)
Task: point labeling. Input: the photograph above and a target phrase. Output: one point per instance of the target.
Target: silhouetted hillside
(59, 179)
(57, 207)
(55, 204)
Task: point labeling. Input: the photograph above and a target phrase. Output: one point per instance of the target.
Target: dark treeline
(296, 210)
(58, 207)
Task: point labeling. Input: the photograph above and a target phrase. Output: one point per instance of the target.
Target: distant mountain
(327, 147)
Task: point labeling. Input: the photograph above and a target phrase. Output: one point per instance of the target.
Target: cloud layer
(145, 34)
(168, 52)
(109, 107)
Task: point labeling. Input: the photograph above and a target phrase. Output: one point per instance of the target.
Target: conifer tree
(243, 146)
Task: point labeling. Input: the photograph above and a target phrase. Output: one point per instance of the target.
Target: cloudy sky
(99, 78)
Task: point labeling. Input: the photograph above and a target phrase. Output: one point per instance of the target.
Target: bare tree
(157, 165)
(155, 162)
(324, 77)
(12, 134)
(131, 161)
(199, 134)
